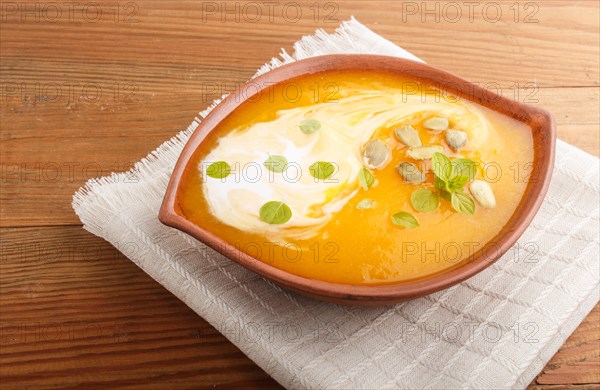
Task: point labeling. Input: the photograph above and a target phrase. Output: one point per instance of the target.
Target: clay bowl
(544, 134)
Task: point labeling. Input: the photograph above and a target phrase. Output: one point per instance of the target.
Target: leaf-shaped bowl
(544, 136)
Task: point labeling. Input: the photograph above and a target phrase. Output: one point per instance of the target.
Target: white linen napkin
(495, 330)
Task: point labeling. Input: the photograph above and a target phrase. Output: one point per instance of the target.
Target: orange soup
(359, 178)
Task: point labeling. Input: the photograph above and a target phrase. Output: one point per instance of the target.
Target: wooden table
(91, 89)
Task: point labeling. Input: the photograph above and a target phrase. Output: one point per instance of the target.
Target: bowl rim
(544, 135)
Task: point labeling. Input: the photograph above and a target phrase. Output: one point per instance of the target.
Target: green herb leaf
(423, 200)
(439, 183)
(457, 183)
(365, 178)
(276, 163)
(463, 203)
(447, 196)
(365, 204)
(442, 166)
(405, 219)
(321, 170)
(275, 213)
(309, 126)
(218, 170)
(465, 167)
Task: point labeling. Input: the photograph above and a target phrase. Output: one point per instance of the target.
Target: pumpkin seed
(410, 173)
(424, 152)
(483, 194)
(436, 124)
(376, 154)
(456, 139)
(408, 136)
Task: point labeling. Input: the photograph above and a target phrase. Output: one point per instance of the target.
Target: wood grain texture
(76, 311)
(82, 97)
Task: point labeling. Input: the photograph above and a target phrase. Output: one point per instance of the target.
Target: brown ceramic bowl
(544, 135)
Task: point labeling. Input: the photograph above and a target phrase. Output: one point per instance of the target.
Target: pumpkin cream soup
(358, 177)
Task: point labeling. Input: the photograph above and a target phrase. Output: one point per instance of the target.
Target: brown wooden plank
(578, 361)
(74, 310)
(491, 41)
(593, 386)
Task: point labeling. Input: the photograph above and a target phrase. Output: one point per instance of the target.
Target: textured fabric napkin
(496, 330)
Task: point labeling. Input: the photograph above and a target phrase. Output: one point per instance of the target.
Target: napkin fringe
(92, 191)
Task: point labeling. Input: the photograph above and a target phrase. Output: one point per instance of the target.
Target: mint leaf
(309, 126)
(463, 203)
(365, 204)
(447, 196)
(275, 213)
(321, 170)
(465, 167)
(405, 219)
(218, 170)
(457, 183)
(439, 184)
(276, 163)
(365, 178)
(423, 200)
(442, 166)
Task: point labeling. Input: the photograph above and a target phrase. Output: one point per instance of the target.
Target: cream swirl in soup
(346, 125)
